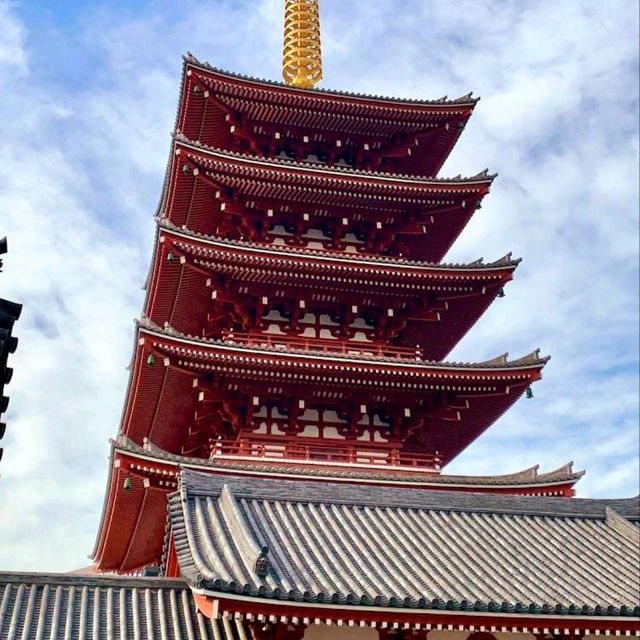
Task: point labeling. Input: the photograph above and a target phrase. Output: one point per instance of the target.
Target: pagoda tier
(126, 543)
(270, 119)
(204, 286)
(305, 205)
(190, 396)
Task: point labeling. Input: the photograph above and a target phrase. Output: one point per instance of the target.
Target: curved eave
(154, 461)
(338, 261)
(437, 124)
(131, 532)
(201, 182)
(331, 172)
(179, 293)
(495, 369)
(328, 94)
(162, 397)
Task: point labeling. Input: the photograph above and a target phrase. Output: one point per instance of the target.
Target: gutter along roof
(409, 549)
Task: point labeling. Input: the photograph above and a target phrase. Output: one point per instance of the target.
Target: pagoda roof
(339, 260)
(346, 546)
(132, 525)
(529, 478)
(211, 99)
(74, 607)
(333, 172)
(201, 181)
(491, 369)
(316, 93)
(163, 395)
(454, 296)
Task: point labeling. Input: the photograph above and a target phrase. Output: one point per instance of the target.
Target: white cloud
(82, 162)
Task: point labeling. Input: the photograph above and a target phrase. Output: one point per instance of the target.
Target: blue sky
(88, 97)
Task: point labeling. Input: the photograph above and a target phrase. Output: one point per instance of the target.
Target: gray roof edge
(465, 100)
(528, 361)
(286, 252)
(91, 580)
(198, 483)
(482, 177)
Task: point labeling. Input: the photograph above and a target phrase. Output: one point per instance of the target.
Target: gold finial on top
(302, 60)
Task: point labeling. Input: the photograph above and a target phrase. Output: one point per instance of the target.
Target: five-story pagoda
(290, 407)
(298, 312)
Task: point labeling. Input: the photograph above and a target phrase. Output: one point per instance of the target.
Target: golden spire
(302, 60)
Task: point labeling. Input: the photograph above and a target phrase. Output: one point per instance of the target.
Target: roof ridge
(101, 580)
(563, 470)
(316, 92)
(200, 483)
(622, 525)
(482, 176)
(238, 527)
(505, 261)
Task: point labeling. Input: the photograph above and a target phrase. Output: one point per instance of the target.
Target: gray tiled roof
(409, 548)
(73, 607)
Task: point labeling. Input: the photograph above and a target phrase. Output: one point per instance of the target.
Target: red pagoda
(279, 464)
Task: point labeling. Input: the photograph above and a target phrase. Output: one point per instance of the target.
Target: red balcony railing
(367, 454)
(323, 345)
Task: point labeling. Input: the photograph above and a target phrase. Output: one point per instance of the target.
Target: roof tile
(408, 548)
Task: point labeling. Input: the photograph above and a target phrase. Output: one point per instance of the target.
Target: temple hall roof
(75, 607)
(411, 549)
